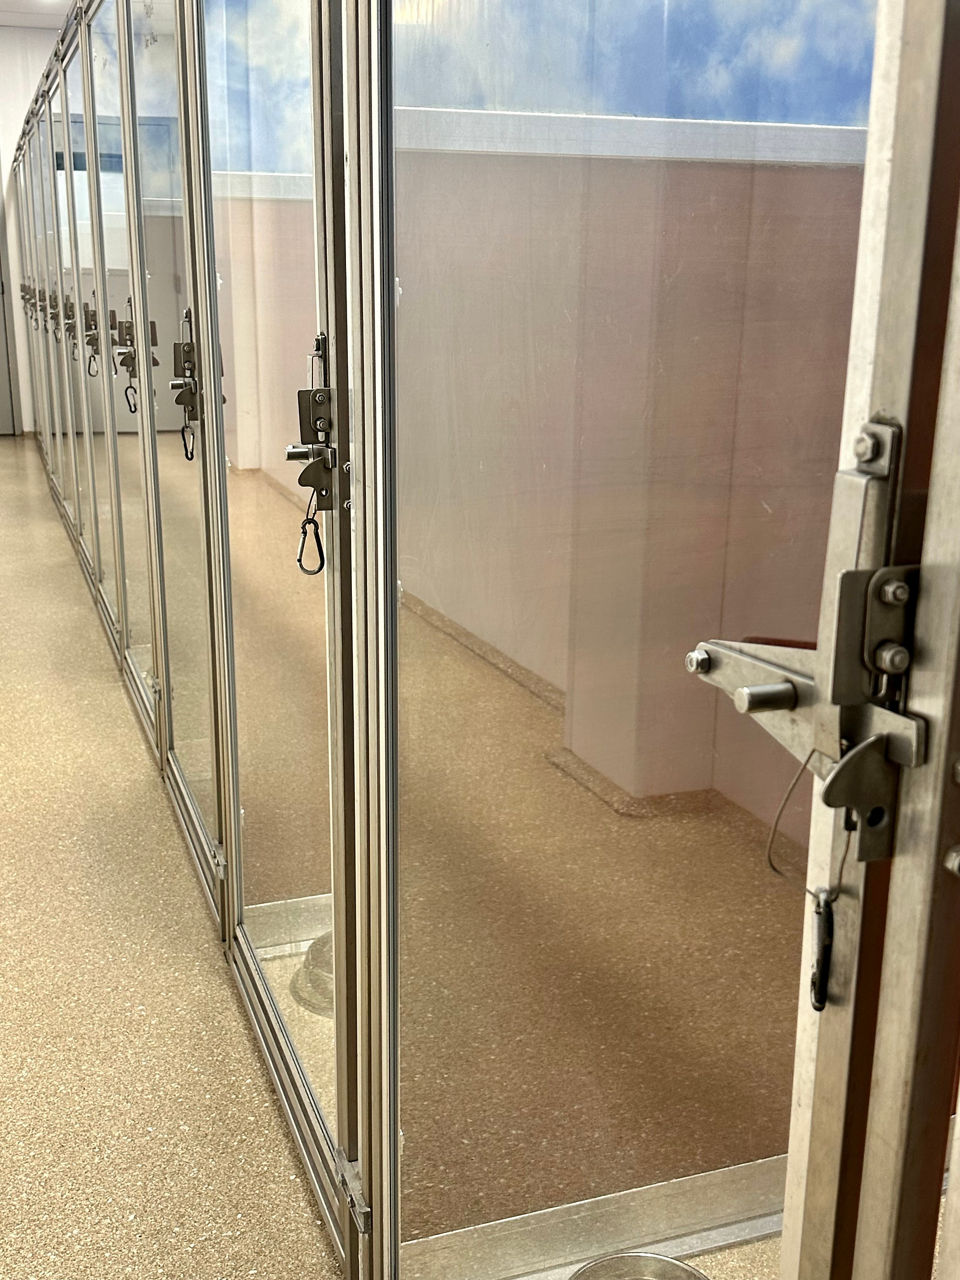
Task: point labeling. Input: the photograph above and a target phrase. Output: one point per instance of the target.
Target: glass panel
(626, 239)
(180, 477)
(258, 74)
(40, 340)
(53, 330)
(71, 337)
(106, 91)
(28, 251)
(94, 361)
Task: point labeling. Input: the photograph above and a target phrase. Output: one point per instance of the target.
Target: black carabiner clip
(130, 395)
(822, 951)
(93, 369)
(309, 520)
(188, 448)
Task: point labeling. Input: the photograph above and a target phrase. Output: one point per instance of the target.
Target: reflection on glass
(92, 353)
(264, 223)
(106, 92)
(624, 289)
(180, 476)
(71, 337)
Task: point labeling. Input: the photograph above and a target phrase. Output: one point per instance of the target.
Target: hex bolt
(951, 860)
(320, 397)
(697, 662)
(895, 592)
(866, 447)
(892, 658)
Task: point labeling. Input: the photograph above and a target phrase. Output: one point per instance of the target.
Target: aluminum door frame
(206, 852)
(90, 551)
(893, 294)
(29, 275)
(65, 399)
(329, 1163)
(116, 624)
(50, 362)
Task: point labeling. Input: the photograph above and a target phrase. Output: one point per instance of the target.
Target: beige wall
(620, 387)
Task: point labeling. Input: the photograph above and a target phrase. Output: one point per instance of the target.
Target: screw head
(951, 860)
(697, 662)
(866, 447)
(320, 397)
(895, 592)
(892, 658)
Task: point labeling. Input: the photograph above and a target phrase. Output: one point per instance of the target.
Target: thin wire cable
(779, 814)
(834, 894)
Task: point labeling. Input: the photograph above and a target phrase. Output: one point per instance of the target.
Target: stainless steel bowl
(637, 1266)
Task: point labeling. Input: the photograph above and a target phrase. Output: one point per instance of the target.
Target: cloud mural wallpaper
(778, 61)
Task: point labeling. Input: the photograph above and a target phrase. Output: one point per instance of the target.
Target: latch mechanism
(91, 338)
(348, 1175)
(184, 382)
(787, 686)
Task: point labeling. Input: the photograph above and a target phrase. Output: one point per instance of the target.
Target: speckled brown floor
(139, 1133)
(589, 1002)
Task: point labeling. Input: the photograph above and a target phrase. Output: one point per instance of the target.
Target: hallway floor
(139, 1132)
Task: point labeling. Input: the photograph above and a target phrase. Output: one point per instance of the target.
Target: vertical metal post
(368, 143)
(918, 1034)
(85, 416)
(148, 443)
(48, 344)
(893, 332)
(60, 346)
(103, 328)
(198, 193)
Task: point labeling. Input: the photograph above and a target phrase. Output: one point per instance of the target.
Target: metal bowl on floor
(637, 1266)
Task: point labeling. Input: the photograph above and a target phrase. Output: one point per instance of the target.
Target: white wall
(23, 55)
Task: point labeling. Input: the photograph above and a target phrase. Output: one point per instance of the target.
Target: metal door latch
(184, 382)
(348, 1175)
(91, 338)
(787, 686)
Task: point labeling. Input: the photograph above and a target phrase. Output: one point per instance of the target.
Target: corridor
(140, 1135)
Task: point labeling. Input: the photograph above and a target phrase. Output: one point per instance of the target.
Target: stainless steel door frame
(50, 361)
(29, 274)
(117, 625)
(93, 534)
(68, 426)
(891, 294)
(208, 856)
(909, 212)
(368, 136)
(148, 450)
(329, 1163)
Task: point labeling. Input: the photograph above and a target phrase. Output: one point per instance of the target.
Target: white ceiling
(33, 13)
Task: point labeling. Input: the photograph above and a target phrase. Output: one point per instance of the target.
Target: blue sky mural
(781, 61)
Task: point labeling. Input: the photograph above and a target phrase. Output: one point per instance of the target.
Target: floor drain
(312, 984)
(637, 1266)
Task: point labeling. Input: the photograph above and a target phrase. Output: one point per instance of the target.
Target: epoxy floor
(139, 1132)
(142, 1136)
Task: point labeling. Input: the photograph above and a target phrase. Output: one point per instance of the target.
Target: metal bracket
(348, 1175)
(184, 381)
(785, 685)
(315, 409)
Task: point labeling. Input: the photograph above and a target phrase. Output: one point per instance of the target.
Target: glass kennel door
(625, 247)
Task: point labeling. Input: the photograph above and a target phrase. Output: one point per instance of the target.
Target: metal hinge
(860, 753)
(348, 1174)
